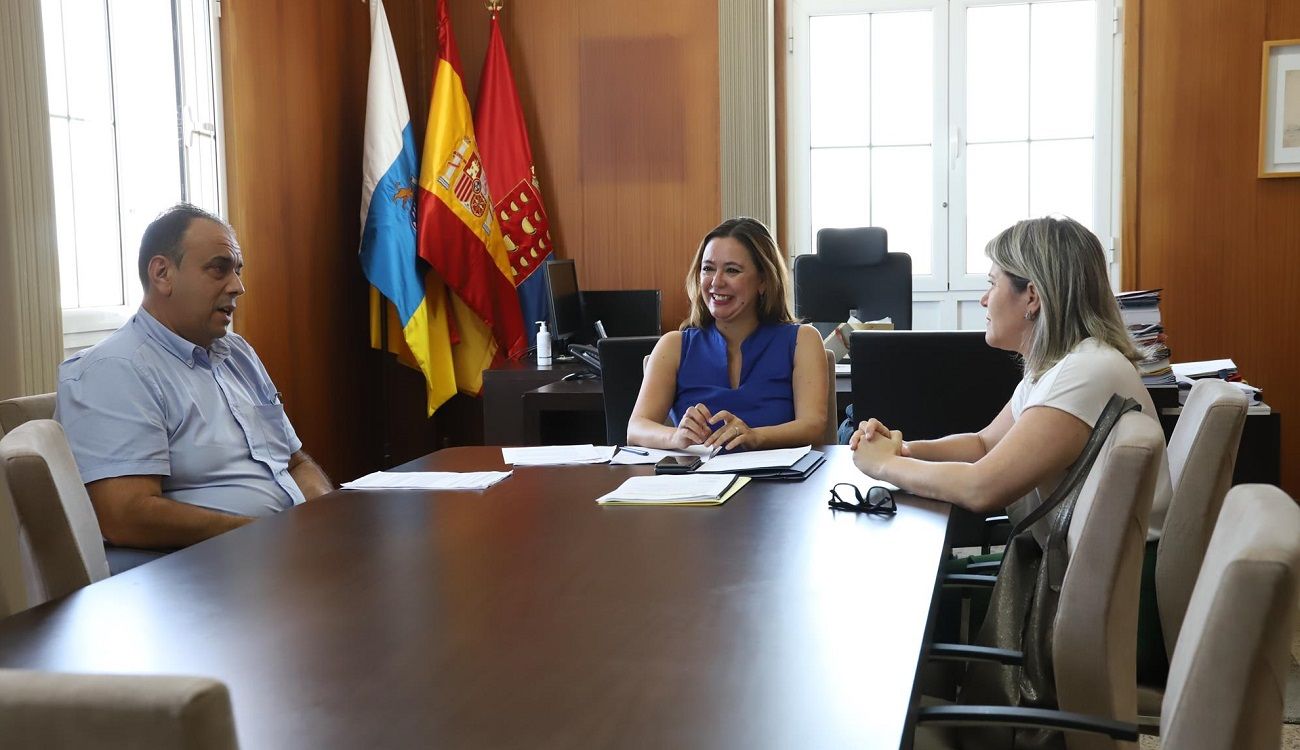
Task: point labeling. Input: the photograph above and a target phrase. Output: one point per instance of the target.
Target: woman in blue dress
(741, 373)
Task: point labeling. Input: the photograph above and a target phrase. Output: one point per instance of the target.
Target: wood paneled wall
(294, 82)
(1224, 244)
(621, 102)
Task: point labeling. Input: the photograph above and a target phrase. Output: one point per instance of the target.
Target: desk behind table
(527, 615)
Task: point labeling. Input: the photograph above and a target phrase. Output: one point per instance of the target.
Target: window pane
(902, 79)
(65, 229)
(199, 100)
(841, 196)
(1063, 81)
(997, 195)
(997, 76)
(56, 83)
(85, 29)
(901, 197)
(1061, 179)
(94, 189)
(837, 51)
(148, 141)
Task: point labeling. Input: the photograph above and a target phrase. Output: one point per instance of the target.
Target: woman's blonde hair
(774, 303)
(1067, 266)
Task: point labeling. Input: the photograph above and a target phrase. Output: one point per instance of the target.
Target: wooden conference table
(528, 616)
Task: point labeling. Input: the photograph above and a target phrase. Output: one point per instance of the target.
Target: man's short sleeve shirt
(147, 402)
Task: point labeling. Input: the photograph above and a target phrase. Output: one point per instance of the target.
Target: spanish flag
(458, 233)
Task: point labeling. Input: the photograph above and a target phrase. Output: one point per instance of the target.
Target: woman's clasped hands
(699, 426)
(872, 443)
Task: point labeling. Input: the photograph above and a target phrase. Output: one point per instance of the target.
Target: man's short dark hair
(164, 234)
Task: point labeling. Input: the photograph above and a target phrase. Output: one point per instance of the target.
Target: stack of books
(1141, 313)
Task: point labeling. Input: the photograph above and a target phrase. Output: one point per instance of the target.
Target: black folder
(801, 470)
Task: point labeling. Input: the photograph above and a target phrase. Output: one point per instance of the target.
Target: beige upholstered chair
(830, 436)
(15, 411)
(1202, 454)
(114, 712)
(13, 585)
(53, 509)
(1227, 680)
(1093, 641)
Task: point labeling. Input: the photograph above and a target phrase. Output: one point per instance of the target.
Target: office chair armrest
(1028, 717)
(995, 521)
(989, 566)
(969, 581)
(965, 652)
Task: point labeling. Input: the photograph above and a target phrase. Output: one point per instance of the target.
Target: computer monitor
(566, 302)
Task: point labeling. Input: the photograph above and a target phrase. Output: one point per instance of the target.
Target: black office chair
(930, 384)
(623, 312)
(621, 372)
(853, 270)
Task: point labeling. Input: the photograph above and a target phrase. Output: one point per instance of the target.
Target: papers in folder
(677, 489)
(427, 480)
(781, 458)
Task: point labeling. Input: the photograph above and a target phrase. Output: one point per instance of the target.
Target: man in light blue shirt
(178, 431)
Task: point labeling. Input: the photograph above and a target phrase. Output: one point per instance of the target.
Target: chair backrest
(930, 383)
(53, 509)
(114, 712)
(1227, 679)
(853, 270)
(623, 312)
(1094, 648)
(1202, 454)
(622, 368)
(830, 436)
(15, 411)
(13, 585)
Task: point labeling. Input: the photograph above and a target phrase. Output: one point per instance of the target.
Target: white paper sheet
(557, 455)
(625, 456)
(427, 480)
(669, 489)
(780, 458)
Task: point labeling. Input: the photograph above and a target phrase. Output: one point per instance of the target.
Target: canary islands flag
(389, 190)
(458, 231)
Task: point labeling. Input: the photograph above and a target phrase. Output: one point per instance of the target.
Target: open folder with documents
(678, 489)
(781, 463)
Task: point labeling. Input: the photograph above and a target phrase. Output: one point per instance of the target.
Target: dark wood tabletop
(528, 616)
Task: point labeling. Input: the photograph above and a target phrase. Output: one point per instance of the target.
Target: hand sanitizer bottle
(543, 345)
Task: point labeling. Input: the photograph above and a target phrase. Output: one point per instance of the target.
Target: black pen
(637, 451)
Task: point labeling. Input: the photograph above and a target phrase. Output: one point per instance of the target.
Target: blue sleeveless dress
(765, 396)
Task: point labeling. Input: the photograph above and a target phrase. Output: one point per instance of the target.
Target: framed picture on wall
(1279, 110)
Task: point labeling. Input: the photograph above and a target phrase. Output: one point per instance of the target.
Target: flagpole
(384, 396)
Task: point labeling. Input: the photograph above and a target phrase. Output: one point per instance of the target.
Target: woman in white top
(1050, 301)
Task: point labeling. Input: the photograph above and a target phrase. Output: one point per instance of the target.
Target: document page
(632, 455)
(781, 458)
(557, 455)
(676, 489)
(427, 480)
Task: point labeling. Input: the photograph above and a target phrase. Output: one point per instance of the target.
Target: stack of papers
(427, 480)
(557, 455)
(678, 489)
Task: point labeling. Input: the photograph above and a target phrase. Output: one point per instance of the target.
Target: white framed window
(135, 122)
(945, 121)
